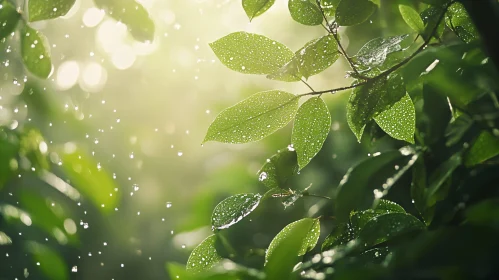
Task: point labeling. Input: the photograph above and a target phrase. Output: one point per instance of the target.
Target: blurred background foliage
(132, 113)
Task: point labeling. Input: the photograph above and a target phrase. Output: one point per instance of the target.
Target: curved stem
(318, 196)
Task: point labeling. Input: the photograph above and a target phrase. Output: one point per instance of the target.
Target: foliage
(432, 87)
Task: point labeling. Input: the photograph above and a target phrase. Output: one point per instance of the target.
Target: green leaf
(388, 226)
(369, 100)
(204, 256)
(35, 52)
(459, 21)
(441, 174)
(254, 8)
(374, 52)
(353, 12)
(359, 219)
(250, 53)
(430, 17)
(456, 129)
(311, 226)
(485, 213)
(329, 7)
(9, 148)
(412, 18)
(5, 239)
(370, 180)
(233, 209)
(48, 261)
(43, 9)
(253, 118)
(340, 235)
(485, 147)
(9, 18)
(305, 12)
(315, 57)
(400, 120)
(278, 169)
(132, 14)
(310, 130)
(89, 178)
(418, 191)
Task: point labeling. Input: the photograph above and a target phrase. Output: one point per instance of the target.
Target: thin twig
(317, 195)
(332, 91)
(305, 82)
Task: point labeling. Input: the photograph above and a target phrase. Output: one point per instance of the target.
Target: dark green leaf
(373, 256)
(250, 53)
(440, 176)
(485, 213)
(233, 209)
(418, 191)
(43, 9)
(430, 17)
(459, 21)
(412, 18)
(48, 261)
(374, 52)
(254, 8)
(315, 57)
(456, 129)
(353, 12)
(400, 120)
(359, 219)
(341, 234)
(305, 12)
(253, 118)
(485, 147)
(9, 18)
(35, 52)
(310, 130)
(388, 226)
(278, 169)
(89, 178)
(204, 256)
(132, 14)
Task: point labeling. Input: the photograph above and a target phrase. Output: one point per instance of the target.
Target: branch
(332, 91)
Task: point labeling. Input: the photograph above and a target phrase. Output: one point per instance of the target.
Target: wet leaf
(360, 218)
(439, 176)
(329, 7)
(485, 147)
(309, 225)
(353, 12)
(456, 129)
(400, 120)
(253, 118)
(48, 261)
(340, 235)
(278, 169)
(305, 12)
(310, 130)
(233, 209)
(373, 256)
(132, 14)
(374, 52)
(35, 52)
(315, 57)
(204, 256)
(43, 9)
(95, 183)
(412, 18)
(9, 18)
(459, 21)
(250, 53)
(254, 8)
(430, 17)
(388, 226)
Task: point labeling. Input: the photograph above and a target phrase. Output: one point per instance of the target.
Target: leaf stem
(317, 195)
(305, 82)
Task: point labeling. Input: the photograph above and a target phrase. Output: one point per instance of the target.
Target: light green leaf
(353, 12)
(4, 239)
(253, 118)
(278, 169)
(306, 244)
(305, 12)
(315, 57)
(43, 9)
(35, 52)
(233, 209)
(9, 18)
(48, 261)
(132, 14)
(254, 8)
(250, 53)
(204, 256)
(485, 147)
(388, 226)
(400, 120)
(412, 18)
(89, 178)
(310, 130)
(374, 52)
(459, 21)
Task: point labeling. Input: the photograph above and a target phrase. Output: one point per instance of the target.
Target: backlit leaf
(278, 169)
(233, 209)
(374, 52)
(204, 256)
(4, 239)
(43, 9)
(48, 261)
(250, 53)
(305, 12)
(353, 12)
(360, 218)
(254, 8)
(35, 52)
(253, 118)
(486, 146)
(9, 18)
(412, 18)
(459, 21)
(329, 7)
(400, 120)
(310, 130)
